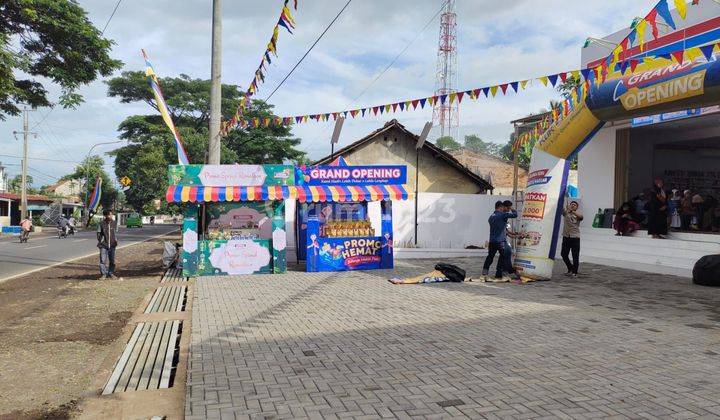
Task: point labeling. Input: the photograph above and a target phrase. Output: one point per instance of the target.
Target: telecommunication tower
(446, 116)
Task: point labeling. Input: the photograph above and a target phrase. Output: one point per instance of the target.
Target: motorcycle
(62, 233)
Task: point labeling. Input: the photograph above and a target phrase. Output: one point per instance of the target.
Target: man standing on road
(498, 238)
(107, 242)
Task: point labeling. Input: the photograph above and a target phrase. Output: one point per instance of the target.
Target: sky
(498, 42)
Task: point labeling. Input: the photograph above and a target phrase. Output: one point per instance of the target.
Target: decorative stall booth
(334, 230)
(235, 216)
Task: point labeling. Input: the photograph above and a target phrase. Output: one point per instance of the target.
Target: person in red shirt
(26, 226)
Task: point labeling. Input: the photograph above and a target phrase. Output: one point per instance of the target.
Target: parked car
(133, 220)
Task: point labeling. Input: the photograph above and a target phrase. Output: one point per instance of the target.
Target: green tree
(89, 169)
(151, 147)
(15, 184)
(52, 40)
(475, 143)
(447, 143)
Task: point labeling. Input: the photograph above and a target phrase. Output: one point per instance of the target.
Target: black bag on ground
(707, 271)
(452, 272)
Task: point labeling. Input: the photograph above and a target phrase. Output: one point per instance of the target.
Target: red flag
(633, 65)
(394, 107)
(651, 19)
(563, 77)
(415, 103)
(503, 87)
(460, 96)
(678, 56)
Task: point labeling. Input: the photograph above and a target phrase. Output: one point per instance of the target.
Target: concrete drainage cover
(173, 275)
(149, 359)
(167, 299)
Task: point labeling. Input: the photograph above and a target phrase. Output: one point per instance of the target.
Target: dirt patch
(102, 334)
(57, 326)
(62, 412)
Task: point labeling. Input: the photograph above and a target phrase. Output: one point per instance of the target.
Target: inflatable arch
(653, 88)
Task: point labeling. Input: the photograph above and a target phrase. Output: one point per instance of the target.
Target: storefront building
(624, 157)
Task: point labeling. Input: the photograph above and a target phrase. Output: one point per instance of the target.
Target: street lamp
(87, 174)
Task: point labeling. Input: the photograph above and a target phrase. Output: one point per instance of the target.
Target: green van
(133, 220)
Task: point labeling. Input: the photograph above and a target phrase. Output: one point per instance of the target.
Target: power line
(43, 118)
(53, 139)
(43, 174)
(394, 60)
(110, 18)
(399, 54)
(308, 51)
(43, 159)
(49, 138)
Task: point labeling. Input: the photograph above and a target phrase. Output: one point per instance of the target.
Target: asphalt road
(46, 250)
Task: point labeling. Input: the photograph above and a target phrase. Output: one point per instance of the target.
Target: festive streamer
(162, 107)
(637, 32)
(586, 78)
(615, 62)
(285, 20)
(95, 196)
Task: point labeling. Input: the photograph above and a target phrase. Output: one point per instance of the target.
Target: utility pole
(23, 193)
(215, 85)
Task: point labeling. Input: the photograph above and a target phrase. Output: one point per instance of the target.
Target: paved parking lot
(326, 345)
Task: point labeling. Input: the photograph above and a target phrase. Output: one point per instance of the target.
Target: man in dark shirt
(498, 238)
(107, 242)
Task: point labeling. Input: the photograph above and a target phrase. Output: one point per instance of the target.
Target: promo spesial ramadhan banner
(224, 175)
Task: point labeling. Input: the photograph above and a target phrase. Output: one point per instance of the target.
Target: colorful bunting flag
(587, 76)
(163, 109)
(707, 51)
(681, 7)
(640, 28)
(94, 200)
(663, 11)
(285, 20)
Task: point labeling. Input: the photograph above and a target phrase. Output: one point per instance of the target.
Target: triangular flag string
(285, 20)
(587, 78)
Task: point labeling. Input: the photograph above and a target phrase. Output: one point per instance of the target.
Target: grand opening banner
(353, 175)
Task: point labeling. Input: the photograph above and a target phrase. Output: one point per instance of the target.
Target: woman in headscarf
(657, 214)
(624, 224)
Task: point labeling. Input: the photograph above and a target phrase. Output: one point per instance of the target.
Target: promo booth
(334, 229)
(235, 216)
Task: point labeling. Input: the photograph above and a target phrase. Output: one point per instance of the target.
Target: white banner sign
(242, 256)
(222, 175)
(540, 217)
